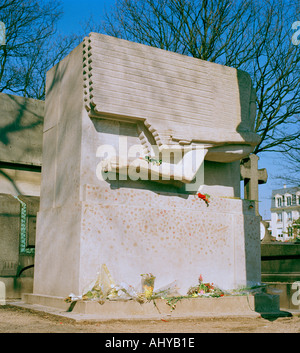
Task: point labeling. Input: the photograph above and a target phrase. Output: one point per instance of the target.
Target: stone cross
(252, 177)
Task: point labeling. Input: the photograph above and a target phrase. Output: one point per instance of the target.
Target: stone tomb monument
(131, 135)
(21, 132)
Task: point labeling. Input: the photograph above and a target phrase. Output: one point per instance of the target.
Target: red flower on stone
(204, 197)
(201, 196)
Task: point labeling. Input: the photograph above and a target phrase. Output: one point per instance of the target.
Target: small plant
(172, 301)
(296, 230)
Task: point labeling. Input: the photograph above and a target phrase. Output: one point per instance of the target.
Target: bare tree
(254, 36)
(32, 45)
(289, 172)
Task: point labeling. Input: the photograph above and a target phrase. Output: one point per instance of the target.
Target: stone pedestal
(139, 231)
(188, 308)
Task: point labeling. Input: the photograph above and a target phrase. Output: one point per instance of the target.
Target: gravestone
(253, 177)
(17, 242)
(10, 231)
(131, 135)
(21, 132)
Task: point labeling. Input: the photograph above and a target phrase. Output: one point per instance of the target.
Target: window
(279, 202)
(289, 216)
(279, 217)
(288, 201)
(290, 231)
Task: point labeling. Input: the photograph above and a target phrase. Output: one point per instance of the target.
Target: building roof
(282, 191)
(290, 190)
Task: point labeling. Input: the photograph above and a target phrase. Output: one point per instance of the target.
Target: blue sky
(273, 162)
(77, 12)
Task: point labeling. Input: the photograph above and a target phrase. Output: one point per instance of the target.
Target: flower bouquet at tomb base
(148, 284)
(211, 290)
(205, 290)
(149, 293)
(105, 288)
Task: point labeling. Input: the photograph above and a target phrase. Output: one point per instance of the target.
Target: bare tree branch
(32, 45)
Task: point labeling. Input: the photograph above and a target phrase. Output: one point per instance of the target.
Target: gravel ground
(20, 320)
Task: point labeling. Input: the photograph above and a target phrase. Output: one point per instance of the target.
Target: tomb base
(131, 231)
(187, 308)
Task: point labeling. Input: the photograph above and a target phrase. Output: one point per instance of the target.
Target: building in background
(285, 209)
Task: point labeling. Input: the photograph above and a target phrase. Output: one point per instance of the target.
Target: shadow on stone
(268, 305)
